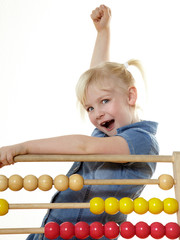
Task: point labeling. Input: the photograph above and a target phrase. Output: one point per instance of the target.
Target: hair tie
(126, 64)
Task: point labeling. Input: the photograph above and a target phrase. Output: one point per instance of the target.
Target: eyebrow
(99, 98)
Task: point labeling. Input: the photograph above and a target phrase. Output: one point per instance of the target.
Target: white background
(44, 48)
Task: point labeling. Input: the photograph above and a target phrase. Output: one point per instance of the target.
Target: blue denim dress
(141, 140)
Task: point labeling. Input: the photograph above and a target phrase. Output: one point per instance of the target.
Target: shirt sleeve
(140, 142)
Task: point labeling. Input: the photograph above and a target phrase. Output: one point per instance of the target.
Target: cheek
(91, 118)
(112, 108)
(118, 110)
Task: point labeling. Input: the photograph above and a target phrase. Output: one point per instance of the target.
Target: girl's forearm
(101, 50)
(70, 144)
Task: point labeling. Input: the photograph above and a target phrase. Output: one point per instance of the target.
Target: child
(107, 92)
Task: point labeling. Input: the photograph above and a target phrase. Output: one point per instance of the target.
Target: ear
(132, 95)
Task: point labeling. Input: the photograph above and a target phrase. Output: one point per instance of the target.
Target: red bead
(157, 230)
(51, 230)
(111, 230)
(82, 230)
(127, 230)
(67, 230)
(172, 230)
(96, 230)
(143, 230)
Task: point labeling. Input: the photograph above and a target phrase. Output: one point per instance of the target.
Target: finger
(96, 14)
(4, 161)
(2, 165)
(106, 10)
(10, 159)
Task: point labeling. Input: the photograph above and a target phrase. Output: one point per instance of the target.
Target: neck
(135, 117)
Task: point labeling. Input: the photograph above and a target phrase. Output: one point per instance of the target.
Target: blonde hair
(113, 70)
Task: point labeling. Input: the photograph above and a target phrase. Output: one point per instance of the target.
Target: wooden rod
(21, 230)
(120, 181)
(48, 205)
(176, 170)
(93, 158)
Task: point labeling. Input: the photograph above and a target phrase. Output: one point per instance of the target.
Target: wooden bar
(93, 158)
(49, 205)
(176, 170)
(120, 181)
(21, 230)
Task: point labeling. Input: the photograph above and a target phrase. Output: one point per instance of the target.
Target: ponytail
(137, 64)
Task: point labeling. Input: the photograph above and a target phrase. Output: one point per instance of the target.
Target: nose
(99, 114)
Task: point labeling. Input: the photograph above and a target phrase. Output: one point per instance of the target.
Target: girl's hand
(101, 17)
(8, 153)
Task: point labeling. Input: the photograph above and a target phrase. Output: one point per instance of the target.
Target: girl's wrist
(23, 148)
(105, 30)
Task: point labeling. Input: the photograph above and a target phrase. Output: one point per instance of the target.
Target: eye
(90, 109)
(105, 101)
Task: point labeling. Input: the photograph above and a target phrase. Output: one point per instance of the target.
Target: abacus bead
(30, 182)
(61, 182)
(67, 230)
(96, 230)
(97, 205)
(51, 230)
(143, 230)
(166, 181)
(156, 206)
(140, 205)
(82, 230)
(126, 205)
(3, 183)
(157, 230)
(45, 182)
(111, 205)
(127, 230)
(170, 205)
(111, 230)
(15, 182)
(4, 207)
(172, 230)
(76, 182)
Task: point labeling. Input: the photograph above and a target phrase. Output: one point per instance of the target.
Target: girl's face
(109, 107)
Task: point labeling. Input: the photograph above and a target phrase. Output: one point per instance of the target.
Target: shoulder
(149, 127)
(141, 137)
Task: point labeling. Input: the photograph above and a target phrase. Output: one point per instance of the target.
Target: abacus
(111, 205)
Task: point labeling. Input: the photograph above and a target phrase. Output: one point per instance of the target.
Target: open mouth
(108, 124)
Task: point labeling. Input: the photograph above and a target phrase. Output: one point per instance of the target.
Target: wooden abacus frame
(174, 159)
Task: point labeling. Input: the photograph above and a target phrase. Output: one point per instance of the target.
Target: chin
(112, 133)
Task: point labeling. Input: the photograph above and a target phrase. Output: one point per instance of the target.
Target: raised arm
(101, 17)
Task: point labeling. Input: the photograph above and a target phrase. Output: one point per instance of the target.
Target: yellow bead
(156, 206)
(97, 205)
(140, 205)
(3, 183)
(126, 205)
(170, 205)
(4, 207)
(76, 182)
(111, 205)
(15, 182)
(30, 182)
(61, 182)
(166, 181)
(45, 182)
